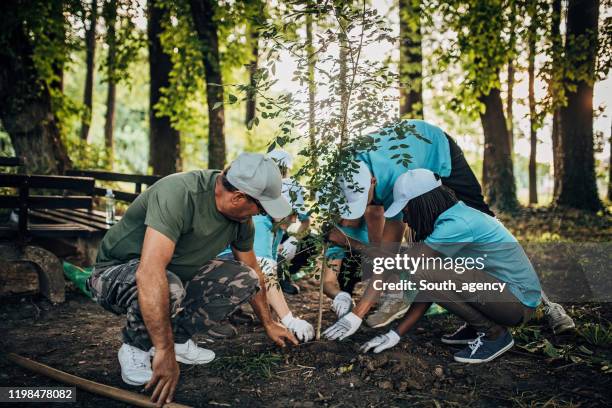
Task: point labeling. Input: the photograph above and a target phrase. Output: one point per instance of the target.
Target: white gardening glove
(342, 304)
(289, 248)
(382, 342)
(343, 327)
(301, 328)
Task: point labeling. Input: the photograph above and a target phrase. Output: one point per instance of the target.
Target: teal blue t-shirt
(432, 154)
(462, 231)
(266, 240)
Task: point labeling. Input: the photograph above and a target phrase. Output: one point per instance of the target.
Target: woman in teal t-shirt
(469, 263)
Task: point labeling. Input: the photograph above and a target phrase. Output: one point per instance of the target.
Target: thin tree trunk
(90, 45)
(203, 12)
(343, 82)
(510, 94)
(25, 111)
(251, 102)
(411, 59)
(577, 183)
(109, 120)
(498, 174)
(557, 43)
(164, 140)
(109, 123)
(509, 103)
(610, 168)
(533, 191)
(312, 88)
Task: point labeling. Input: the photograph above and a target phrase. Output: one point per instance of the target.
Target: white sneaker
(391, 308)
(558, 319)
(135, 365)
(190, 353)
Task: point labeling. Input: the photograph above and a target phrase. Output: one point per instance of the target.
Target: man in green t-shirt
(157, 266)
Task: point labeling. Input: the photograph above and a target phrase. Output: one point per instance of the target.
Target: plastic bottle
(110, 206)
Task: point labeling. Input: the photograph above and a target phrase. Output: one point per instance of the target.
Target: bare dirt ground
(81, 338)
(568, 370)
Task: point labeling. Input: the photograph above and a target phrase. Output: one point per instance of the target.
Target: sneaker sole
(180, 360)
(130, 382)
(393, 317)
(457, 342)
(486, 360)
(191, 362)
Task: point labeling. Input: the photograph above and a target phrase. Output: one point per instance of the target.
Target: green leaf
(232, 98)
(217, 105)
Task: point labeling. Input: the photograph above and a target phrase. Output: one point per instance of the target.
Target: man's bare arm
(371, 295)
(154, 302)
(278, 333)
(375, 219)
(153, 291)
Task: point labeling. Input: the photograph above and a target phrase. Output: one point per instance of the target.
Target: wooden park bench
(64, 215)
(31, 197)
(54, 209)
(63, 198)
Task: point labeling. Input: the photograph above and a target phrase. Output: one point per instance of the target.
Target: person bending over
(450, 229)
(370, 194)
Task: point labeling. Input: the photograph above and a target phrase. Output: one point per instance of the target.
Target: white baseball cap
(282, 158)
(259, 177)
(356, 192)
(409, 185)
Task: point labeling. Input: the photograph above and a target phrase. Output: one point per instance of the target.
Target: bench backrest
(137, 179)
(24, 200)
(10, 161)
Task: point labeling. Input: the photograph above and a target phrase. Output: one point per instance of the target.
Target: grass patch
(260, 364)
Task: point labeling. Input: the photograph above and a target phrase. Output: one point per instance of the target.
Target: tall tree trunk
(58, 35)
(109, 122)
(251, 102)
(203, 12)
(25, 111)
(577, 182)
(557, 43)
(90, 46)
(411, 59)
(164, 140)
(533, 138)
(498, 175)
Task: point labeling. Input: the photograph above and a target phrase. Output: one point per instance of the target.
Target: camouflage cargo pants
(218, 289)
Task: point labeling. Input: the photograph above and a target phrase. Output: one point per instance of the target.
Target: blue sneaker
(482, 351)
